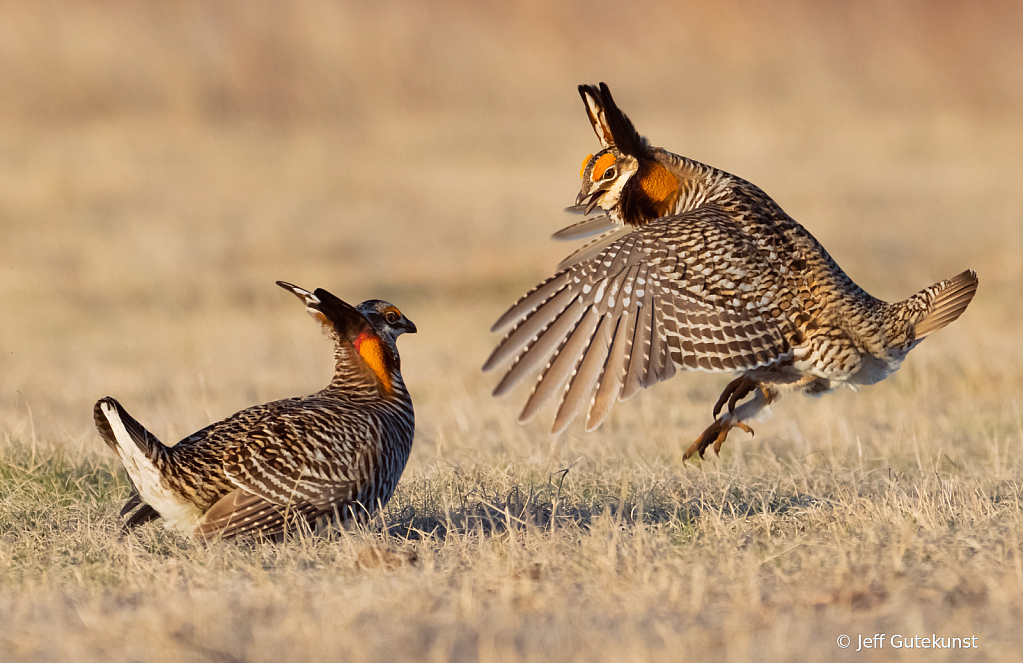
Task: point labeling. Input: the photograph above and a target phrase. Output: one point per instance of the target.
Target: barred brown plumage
(696, 269)
(335, 455)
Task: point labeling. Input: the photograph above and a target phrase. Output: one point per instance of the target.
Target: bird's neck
(366, 364)
(667, 184)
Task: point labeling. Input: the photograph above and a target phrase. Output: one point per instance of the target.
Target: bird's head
(386, 321)
(605, 175)
(625, 178)
(371, 329)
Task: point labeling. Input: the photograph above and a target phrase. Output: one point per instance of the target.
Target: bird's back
(349, 437)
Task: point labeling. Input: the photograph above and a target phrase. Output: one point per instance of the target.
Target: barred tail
(948, 300)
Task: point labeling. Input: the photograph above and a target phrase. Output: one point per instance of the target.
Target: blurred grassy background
(162, 164)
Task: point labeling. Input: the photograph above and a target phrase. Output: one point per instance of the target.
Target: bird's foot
(716, 434)
(736, 390)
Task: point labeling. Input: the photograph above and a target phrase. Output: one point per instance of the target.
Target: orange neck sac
(651, 194)
(659, 185)
(372, 350)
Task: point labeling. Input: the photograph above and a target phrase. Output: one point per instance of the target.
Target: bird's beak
(587, 199)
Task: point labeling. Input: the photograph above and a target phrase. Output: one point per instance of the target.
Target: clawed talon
(736, 390)
(716, 433)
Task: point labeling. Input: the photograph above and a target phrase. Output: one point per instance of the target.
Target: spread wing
(690, 291)
(597, 224)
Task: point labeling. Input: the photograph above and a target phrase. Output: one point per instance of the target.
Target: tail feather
(137, 448)
(111, 418)
(133, 501)
(948, 301)
(144, 514)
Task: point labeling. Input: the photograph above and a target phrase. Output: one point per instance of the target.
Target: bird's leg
(717, 432)
(736, 390)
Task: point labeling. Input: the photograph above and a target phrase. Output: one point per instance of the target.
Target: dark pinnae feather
(626, 138)
(346, 317)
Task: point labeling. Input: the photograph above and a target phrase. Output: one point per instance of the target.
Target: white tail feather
(176, 510)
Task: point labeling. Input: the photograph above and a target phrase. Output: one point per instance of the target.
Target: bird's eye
(610, 173)
(391, 317)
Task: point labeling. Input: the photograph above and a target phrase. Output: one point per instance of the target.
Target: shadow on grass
(433, 509)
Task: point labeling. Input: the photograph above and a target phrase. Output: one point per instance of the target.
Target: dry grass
(160, 167)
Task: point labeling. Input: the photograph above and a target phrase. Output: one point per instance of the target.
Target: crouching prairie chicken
(696, 269)
(335, 454)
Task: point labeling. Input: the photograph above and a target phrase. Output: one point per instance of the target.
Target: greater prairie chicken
(336, 454)
(696, 269)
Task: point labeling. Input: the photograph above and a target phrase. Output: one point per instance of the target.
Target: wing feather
(242, 512)
(640, 353)
(564, 363)
(616, 296)
(658, 363)
(538, 319)
(685, 292)
(584, 381)
(542, 346)
(530, 302)
(280, 476)
(587, 227)
(593, 247)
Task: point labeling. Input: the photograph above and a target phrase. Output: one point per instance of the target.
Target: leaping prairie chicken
(696, 269)
(337, 453)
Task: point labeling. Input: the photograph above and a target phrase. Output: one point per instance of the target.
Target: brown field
(162, 164)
